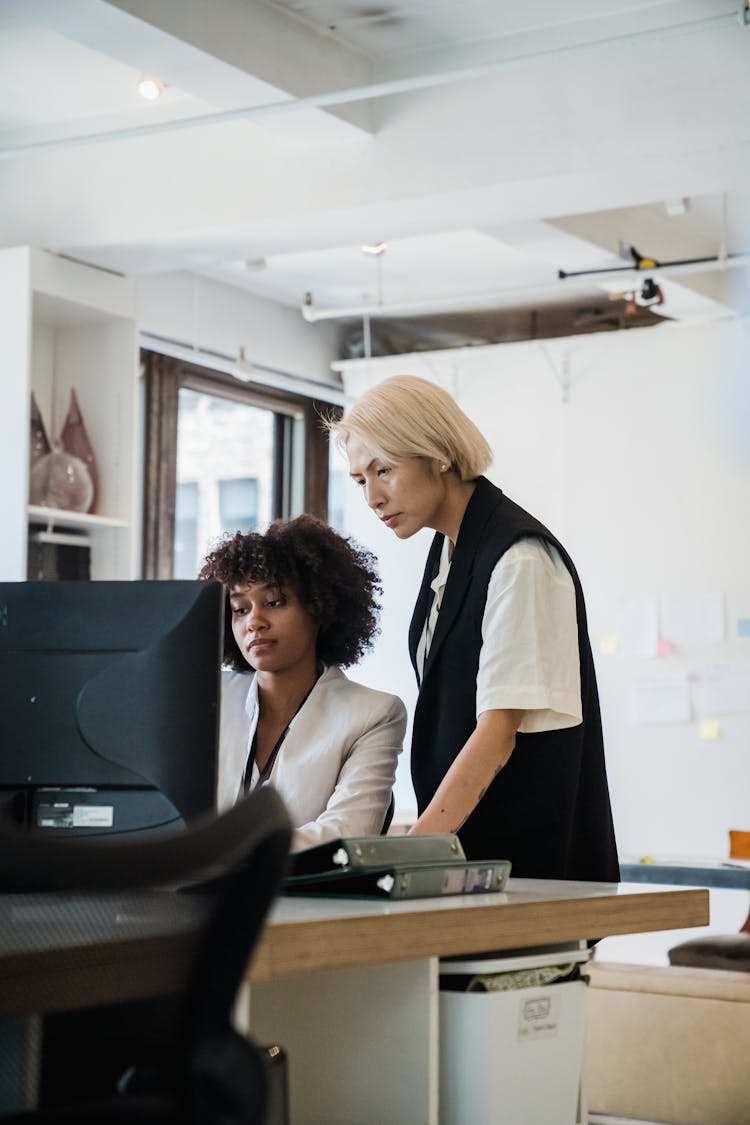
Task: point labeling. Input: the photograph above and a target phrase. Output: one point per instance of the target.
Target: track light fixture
(650, 294)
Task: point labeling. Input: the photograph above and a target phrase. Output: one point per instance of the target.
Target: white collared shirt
(531, 600)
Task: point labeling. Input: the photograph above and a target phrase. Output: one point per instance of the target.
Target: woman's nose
(255, 620)
(373, 494)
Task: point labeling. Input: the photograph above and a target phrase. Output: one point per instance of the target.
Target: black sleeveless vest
(548, 809)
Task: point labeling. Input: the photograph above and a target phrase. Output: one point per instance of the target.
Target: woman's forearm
(472, 772)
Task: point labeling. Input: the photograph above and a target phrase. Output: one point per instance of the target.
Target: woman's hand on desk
(472, 772)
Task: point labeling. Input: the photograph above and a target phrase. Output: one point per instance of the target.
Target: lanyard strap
(265, 773)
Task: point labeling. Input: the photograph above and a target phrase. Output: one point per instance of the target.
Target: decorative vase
(75, 441)
(60, 480)
(39, 445)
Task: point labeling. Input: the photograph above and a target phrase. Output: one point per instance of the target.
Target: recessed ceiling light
(149, 88)
(376, 248)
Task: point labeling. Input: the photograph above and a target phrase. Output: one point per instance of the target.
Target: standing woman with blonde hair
(507, 745)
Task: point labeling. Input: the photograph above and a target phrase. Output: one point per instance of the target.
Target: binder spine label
(469, 880)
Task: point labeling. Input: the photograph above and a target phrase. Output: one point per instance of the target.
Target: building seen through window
(225, 455)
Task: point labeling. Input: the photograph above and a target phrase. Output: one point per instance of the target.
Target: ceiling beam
(174, 17)
(266, 43)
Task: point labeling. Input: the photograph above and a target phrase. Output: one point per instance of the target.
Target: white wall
(202, 313)
(15, 334)
(644, 473)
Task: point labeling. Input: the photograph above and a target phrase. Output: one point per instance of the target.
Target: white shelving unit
(67, 326)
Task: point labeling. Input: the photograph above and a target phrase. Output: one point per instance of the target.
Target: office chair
(205, 1073)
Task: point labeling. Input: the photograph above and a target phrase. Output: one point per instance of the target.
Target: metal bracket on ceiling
(561, 370)
(367, 337)
(723, 239)
(743, 15)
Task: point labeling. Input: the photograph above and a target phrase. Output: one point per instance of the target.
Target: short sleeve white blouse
(531, 600)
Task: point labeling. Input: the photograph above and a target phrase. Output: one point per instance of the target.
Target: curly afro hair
(334, 578)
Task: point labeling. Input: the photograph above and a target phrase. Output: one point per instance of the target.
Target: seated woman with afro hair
(300, 606)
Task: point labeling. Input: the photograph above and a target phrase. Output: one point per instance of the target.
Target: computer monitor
(109, 699)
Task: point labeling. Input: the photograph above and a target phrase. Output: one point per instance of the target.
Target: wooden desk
(62, 952)
(350, 987)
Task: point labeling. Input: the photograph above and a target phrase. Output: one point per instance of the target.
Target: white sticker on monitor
(93, 816)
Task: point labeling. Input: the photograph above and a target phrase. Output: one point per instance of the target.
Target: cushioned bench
(669, 1044)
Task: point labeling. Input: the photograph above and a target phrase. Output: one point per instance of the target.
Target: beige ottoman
(669, 1044)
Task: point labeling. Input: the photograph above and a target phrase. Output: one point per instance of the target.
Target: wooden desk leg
(362, 1044)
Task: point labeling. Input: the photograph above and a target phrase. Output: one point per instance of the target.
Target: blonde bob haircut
(405, 416)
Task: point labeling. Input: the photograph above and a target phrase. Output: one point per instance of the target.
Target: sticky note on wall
(743, 627)
(709, 729)
(608, 645)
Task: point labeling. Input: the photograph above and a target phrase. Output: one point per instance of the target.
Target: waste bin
(512, 1033)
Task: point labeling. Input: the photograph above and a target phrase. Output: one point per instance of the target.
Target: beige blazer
(336, 766)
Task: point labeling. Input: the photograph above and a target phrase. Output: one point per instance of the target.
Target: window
(227, 446)
(222, 456)
(186, 529)
(238, 504)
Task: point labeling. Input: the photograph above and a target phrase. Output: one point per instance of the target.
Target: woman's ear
(315, 608)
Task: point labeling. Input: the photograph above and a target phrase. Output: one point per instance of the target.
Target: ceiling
(490, 144)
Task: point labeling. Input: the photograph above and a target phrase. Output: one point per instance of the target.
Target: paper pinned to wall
(743, 626)
(693, 618)
(709, 729)
(725, 689)
(638, 624)
(661, 699)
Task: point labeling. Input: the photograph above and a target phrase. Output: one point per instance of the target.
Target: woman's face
(405, 496)
(273, 630)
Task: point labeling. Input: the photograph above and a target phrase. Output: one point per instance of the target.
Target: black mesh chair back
(206, 1074)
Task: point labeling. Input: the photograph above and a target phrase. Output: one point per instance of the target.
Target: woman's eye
(274, 603)
(238, 610)
(384, 471)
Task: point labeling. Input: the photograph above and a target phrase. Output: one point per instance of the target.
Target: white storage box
(512, 1057)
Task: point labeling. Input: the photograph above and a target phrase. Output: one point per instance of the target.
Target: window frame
(164, 376)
